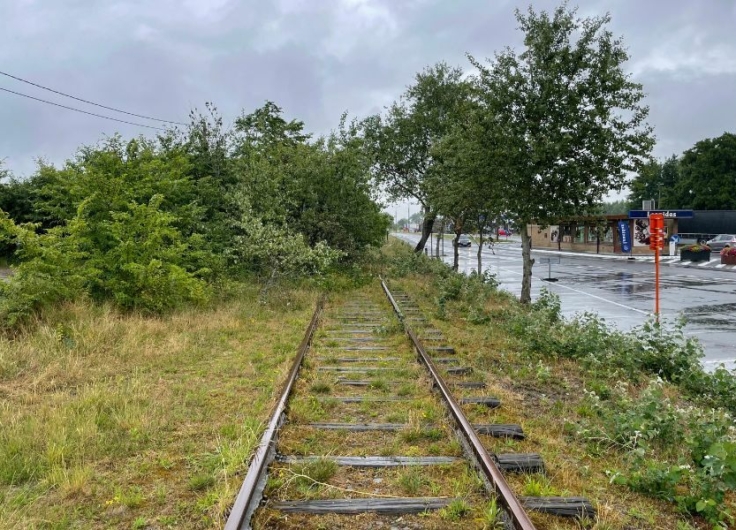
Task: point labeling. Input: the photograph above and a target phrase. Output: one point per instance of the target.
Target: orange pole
(656, 283)
(656, 226)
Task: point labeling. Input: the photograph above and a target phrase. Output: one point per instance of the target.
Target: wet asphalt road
(622, 292)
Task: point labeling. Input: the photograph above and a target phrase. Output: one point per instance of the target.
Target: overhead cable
(87, 101)
(82, 111)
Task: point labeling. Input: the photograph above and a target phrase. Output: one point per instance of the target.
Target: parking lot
(621, 291)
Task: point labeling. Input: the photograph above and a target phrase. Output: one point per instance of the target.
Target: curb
(708, 265)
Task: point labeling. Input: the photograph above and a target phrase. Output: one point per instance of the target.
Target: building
(600, 234)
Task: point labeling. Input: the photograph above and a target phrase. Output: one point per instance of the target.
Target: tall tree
(463, 186)
(708, 175)
(570, 121)
(656, 180)
(402, 140)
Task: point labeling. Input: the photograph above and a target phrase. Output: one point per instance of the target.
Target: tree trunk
(440, 235)
(426, 230)
(480, 250)
(456, 251)
(526, 255)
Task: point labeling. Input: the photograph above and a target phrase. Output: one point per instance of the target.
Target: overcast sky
(318, 58)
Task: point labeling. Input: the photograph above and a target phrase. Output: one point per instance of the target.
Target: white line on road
(719, 361)
(587, 294)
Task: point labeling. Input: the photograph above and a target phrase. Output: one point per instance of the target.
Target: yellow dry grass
(111, 420)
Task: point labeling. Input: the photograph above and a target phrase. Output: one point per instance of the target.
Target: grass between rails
(424, 430)
(628, 420)
(110, 420)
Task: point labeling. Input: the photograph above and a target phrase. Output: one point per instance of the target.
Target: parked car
(504, 232)
(722, 240)
(463, 241)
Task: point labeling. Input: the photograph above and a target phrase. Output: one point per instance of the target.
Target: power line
(89, 102)
(80, 110)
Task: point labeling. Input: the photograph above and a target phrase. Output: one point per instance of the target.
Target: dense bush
(151, 224)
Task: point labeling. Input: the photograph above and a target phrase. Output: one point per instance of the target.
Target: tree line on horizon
(701, 178)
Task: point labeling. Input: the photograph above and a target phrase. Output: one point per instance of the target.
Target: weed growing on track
(630, 420)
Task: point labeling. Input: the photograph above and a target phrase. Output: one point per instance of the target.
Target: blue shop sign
(668, 214)
(624, 234)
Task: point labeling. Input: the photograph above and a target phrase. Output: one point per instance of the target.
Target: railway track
(371, 431)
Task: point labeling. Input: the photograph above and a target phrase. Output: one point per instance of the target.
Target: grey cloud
(317, 59)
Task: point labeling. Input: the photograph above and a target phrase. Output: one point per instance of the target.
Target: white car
(720, 241)
(463, 241)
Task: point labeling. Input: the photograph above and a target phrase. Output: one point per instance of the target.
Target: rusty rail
(488, 467)
(251, 491)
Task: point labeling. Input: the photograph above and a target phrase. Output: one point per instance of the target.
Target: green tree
(708, 175)
(463, 187)
(336, 204)
(615, 208)
(321, 189)
(656, 180)
(570, 122)
(402, 140)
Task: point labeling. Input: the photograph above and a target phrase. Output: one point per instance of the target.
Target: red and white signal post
(656, 243)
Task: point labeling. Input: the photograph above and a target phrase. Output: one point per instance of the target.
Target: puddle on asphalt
(627, 283)
(711, 316)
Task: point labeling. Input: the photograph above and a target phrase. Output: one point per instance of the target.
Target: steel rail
(487, 465)
(251, 491)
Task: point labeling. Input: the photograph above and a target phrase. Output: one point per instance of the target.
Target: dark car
(463, 241)
(722, 240)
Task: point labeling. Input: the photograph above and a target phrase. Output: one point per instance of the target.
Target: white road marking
(587, 294)
(720, 266)
(719, 361)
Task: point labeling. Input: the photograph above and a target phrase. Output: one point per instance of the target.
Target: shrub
(143, 266)
(695, 247)
(136, 258)
(49, 273)
(653, 431)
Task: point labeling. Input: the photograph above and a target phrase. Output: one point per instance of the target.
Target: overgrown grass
(627, 419)
(139, 421)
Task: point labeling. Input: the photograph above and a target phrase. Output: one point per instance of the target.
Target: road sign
(675, 238)
(667, 214)
(550, 261)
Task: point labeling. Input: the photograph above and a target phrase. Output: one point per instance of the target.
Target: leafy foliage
(403, 140)
(49, 272)
(701, 178)
(708, 175)
(562, 119)
(656, 180)
(152, 224)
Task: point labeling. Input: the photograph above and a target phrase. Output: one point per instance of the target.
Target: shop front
(602, 234)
